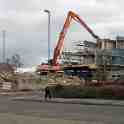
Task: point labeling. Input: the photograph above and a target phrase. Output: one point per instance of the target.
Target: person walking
(47, 93)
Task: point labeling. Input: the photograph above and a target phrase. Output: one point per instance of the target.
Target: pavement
(10, 93)
(9, 118)
(90, 101)
(38, 96)
(30, 107)
(74, 101)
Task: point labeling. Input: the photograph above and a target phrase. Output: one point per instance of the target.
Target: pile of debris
(65, 80)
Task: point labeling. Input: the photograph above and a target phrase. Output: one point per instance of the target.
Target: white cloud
(26, 23)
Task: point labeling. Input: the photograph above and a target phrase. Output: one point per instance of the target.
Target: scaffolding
(82, 54)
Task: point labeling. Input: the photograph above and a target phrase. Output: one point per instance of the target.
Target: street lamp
(49, 30)
(4, 45)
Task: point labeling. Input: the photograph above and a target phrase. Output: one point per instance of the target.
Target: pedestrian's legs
(46, 94)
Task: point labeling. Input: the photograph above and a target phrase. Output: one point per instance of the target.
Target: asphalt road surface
(15, 111)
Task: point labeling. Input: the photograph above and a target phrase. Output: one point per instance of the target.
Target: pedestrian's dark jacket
(47, 92)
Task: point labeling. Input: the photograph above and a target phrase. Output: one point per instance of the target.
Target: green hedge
(60, 91)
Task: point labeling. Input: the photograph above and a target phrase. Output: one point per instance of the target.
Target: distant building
(113, 59)
(107, 44)
(110, 44)
(120, 42)
(84, 53)
(89, 44)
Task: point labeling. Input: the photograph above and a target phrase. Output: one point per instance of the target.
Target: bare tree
(16, 60)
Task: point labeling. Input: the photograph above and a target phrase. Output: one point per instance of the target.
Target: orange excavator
(58, 49)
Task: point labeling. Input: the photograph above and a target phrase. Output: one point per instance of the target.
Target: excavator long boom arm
(58, 49)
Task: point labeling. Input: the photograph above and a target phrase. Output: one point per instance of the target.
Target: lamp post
(4, 45)
(49, 31)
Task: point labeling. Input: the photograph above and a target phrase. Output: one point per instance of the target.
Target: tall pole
(49, 31)
(4, 45)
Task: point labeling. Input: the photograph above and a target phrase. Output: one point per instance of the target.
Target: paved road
(37, 111)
